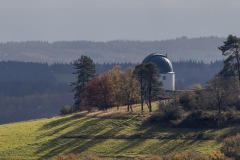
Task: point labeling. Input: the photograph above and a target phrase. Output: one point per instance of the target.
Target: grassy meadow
(108, 134)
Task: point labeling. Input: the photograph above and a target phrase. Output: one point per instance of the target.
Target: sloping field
(104, 134)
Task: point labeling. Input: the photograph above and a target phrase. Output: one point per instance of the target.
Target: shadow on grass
(82, 133)
(73, 127)
(179, 132)
(64, 120)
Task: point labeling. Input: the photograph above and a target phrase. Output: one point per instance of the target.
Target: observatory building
(167, 76)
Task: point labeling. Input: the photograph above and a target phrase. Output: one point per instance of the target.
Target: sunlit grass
(46, 138)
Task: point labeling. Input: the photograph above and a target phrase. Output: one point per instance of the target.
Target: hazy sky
(104, 20)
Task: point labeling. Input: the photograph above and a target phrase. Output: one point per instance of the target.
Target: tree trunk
(150, 96)
(238, 66)
(141, 95)
(219, 115)
(150, 104)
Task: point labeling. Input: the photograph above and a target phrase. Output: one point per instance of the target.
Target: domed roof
(163, 64)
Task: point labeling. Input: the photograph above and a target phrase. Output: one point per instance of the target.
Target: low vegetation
(231, 146)
(112, 134)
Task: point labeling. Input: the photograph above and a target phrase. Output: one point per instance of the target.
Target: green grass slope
(105, 134)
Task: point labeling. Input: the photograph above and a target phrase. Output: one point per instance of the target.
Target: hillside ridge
(107, 134)
(118, 51)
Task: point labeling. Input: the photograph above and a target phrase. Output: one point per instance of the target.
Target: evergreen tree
(85, 71)
(231, 48)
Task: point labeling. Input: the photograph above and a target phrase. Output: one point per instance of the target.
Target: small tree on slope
(85, 71)
(148, 76)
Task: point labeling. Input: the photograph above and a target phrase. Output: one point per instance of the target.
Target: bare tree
(148, 76)
(221, 91)
(129, 88)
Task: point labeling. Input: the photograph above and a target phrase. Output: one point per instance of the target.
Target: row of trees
(141, 84)
(115, 87)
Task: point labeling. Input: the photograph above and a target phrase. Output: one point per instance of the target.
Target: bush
(177, 117)
(150, 157)
(231, 147)
(169, 114)
(232, 115)
(66, 110)
(233, 132)
(186, 100)
(199, 119)
(70, 156)
(195, 156)
(155, 118)
(172, 112)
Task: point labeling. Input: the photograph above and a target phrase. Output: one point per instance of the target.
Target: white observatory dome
(167, 76)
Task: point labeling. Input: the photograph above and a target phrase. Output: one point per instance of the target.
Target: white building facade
(167, 76)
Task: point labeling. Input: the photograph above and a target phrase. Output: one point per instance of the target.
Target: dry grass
(121, 111)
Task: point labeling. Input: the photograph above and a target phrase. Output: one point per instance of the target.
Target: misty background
(105, 20)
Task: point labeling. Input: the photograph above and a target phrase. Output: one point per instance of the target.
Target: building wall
(168, 80)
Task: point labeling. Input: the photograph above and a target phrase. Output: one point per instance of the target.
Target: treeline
(190, 72)
(203, 48)
(187, 72)
(20, 79)
(26, 78)
(33, 90)
(44, 105)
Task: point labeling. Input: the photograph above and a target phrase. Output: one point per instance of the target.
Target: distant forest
(181, 49)
(35, 90)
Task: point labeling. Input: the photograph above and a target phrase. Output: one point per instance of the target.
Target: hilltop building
(167, 76)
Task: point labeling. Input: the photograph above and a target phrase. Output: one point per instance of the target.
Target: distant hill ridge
(118, 51)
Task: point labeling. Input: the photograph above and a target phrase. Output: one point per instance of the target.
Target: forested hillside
(36, 90)
(31, 90)
(203, 48)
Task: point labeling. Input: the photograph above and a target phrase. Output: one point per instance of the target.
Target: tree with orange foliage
(113, 88)
(98, 94)
(129, 88)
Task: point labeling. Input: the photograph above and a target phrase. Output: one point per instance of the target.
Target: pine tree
(231, 49)
(85, 71)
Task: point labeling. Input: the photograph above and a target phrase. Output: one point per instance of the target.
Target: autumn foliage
(113, 88)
